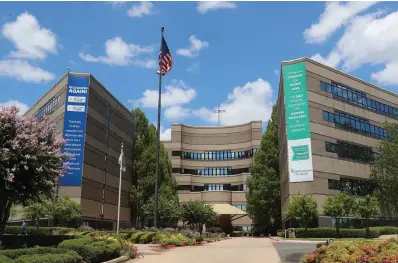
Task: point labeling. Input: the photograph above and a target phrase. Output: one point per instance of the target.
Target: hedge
(35, 231)
(386, 230)
(147, 237)
(68, 257)
(19, 241)
(135, 237)
(91, 251)
(4, 259)
(331, 233)
(15, 253)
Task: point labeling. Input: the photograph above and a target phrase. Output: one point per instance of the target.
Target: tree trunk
(337, 227)
(367, 228)
(5, 210)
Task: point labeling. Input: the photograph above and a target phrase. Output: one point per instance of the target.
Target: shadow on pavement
(291, 252)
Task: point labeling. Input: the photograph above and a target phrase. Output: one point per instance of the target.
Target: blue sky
(226, 53)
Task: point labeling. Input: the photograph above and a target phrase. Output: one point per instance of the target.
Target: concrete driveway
(235, 250)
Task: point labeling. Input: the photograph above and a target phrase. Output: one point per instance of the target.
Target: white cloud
(20, 105)
(117, 4)
(387, 76)
(140, 10)
(204, 7)
(370, 39)
(31, 40)
(23, 71)
(195, 46)
(165, 134)
(194, 68)
(253, 101)
(332, 60)
(120, 53)
(335, 15)
(175, 113)
(178, 93)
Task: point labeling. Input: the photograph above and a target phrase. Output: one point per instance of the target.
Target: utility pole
(218, 111)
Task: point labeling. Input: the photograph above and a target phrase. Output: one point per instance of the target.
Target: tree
(36, 210)
(367, 208)
(196, 213)
(384, 172)
(263, 196)
(31, 160)
(144, 170)
(339, 205)
(304, 209)
(64, 210)
(168, 210)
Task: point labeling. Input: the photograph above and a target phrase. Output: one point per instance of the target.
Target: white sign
(300, 160)
(77, 99)
(76, 108)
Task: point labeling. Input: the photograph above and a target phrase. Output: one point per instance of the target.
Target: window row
(241, 207)
(354, 123)
(215, 155)
(352, 186)
(47, 108)
(351, 151)
(212, 171)
(212, 187)
(358, 98)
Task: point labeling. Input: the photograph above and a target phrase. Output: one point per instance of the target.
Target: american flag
(165, 60)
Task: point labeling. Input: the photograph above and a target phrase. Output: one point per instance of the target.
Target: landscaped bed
(324, 232)
(95, 246)
(385, 251)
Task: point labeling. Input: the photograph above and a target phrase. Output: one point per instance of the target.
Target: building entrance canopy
(228, 210)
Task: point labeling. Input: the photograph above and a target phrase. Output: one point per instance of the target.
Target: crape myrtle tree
(263, 196)
(339, 205)
(30, 160)
(196, 214)
(304, 209)
(367, 208)
(144, 171)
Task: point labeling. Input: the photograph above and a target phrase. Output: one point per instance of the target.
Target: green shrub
(135, 237)
(280, 233)
(331, 233)
(199, 239)
(4, 259)
(386, 230)
(15, 253)
(68, 257)
(93, 251)
(147, 237)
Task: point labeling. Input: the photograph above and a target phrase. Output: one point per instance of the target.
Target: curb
(274, 239)
(116, 260)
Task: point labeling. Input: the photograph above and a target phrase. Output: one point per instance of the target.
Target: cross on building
(218, 111)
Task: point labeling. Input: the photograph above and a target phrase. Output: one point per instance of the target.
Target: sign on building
(297, 123)
(75, 129)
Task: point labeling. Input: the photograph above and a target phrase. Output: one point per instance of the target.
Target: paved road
(291, 252)
(236, 250)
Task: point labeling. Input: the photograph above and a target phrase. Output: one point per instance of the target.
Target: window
(356, 124)
(351, 151)
(215, 155)
(352, 186)
(47, 109)
(356, 97)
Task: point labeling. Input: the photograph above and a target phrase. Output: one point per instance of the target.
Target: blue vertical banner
(75, 129)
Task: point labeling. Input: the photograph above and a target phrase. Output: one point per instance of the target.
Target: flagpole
(155, 210)
(120, 189)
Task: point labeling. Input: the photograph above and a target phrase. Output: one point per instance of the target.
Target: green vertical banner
(297, 123)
